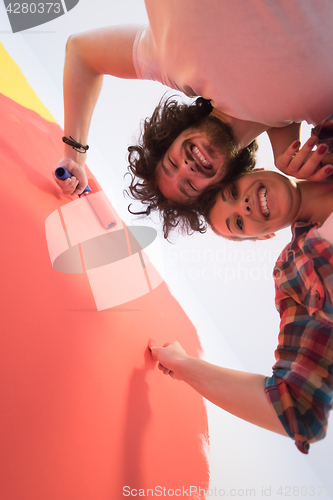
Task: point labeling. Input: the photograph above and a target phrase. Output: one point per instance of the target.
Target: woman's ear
(267, 236)
(257, 169)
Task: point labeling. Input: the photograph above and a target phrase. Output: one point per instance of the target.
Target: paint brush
(98, 201)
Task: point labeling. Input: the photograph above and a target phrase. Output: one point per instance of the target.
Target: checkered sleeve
(301, 386)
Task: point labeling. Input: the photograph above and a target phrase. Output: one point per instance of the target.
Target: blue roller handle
(62, 174)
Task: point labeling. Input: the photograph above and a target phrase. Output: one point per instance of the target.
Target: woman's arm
(282, 137)
(89, 56)
(285, 141)
(239, 393)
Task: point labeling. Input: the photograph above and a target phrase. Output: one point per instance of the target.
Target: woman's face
(255, 205)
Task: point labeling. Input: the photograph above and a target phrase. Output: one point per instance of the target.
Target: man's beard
(221, 139)
(220, 134)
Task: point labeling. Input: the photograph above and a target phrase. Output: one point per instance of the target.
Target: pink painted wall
(84, 409)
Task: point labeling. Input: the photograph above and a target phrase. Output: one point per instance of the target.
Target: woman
(297, 398)
(259, 203)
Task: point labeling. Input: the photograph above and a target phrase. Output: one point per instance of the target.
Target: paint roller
(100, 204)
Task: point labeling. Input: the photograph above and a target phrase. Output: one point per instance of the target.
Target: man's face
(255, 205)
(194, 160)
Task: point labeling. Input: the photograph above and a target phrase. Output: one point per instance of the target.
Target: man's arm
(239, 393)
(89, 56)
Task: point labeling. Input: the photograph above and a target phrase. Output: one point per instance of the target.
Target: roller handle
(62, 174)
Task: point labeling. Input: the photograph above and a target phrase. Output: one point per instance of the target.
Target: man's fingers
(68, 186)
(75, 184)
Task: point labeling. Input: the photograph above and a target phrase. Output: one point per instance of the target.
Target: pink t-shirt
(267, 61)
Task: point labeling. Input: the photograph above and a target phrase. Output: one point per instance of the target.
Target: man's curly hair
(169, 119)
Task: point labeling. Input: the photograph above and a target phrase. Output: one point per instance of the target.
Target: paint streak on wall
(84, 409)
(13, 84)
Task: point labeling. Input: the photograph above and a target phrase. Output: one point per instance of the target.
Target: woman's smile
(255, 205)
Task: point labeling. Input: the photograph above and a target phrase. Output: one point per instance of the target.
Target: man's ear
(267, 236)
(257, 169)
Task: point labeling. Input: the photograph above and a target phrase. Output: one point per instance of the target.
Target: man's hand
(170, 358)
(89, 56)
(78, 182)
(304, 163)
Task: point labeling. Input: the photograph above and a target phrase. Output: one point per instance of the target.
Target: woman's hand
(170, 358)
(239, 393)
(77, 183)
(304, 163)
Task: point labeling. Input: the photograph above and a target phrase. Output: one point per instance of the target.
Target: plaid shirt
(301, 387)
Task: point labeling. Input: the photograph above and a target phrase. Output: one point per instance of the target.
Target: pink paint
(84, 409)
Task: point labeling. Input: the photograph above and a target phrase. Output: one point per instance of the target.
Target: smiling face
(195, 159)
(255, 205)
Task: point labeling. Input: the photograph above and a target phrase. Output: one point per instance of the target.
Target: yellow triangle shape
(14, 85)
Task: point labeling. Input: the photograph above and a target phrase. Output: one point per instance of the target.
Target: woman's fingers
(304, 163)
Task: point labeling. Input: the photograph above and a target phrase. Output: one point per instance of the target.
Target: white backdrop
(225, 288)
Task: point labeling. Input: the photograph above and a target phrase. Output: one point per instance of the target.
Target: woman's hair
(168, 121)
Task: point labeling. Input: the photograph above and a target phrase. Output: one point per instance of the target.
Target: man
(266, 66)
